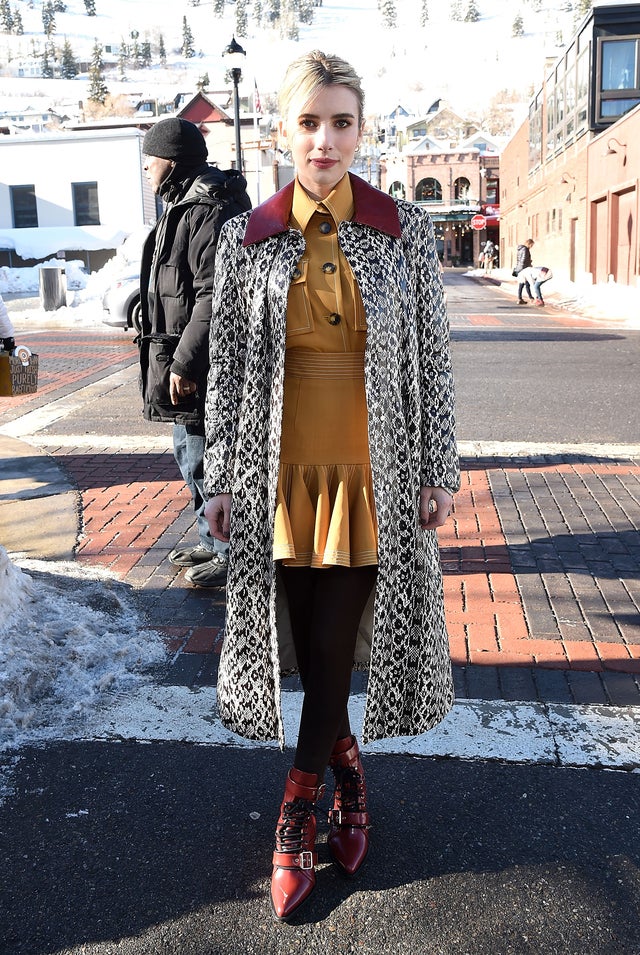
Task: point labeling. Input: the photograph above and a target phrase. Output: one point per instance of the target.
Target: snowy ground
(70, 637)
(85, 292)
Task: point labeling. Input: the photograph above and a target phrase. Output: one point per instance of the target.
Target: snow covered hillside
(464, 62)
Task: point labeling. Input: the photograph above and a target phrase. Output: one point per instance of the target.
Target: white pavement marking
(545, 733)
(509, 449)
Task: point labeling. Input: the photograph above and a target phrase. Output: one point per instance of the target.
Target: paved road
(131, 840)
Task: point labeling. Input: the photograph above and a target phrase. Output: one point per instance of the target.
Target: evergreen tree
(203, 82)
(48, 18)
(59, 6)
(389, 14)
(273, 11)
(90, 7)
(473, 14)
(305, 11)
(456, 10)
(257, 12)
(68, 63)
(162, 51)
(98, 91)
(187, 48)
(47, 65)
(218, 8)
(241, 18)
(518, 26)
(18, 27)
(6, 17)
(145, 53)
(424, 13)
(134, 51)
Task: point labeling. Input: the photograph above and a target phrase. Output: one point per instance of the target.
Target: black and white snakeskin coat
(391, 248)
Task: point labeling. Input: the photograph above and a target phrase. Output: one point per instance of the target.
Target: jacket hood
(188, 183)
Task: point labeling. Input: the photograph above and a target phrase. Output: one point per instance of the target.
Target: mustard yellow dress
(325, 513)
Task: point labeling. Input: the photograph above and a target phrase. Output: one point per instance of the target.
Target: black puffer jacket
(523, 258)
(176, 283)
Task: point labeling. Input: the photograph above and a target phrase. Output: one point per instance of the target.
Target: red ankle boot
(294, 876)
(348, 839)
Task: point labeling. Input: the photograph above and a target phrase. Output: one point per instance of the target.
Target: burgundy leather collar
(372, 207)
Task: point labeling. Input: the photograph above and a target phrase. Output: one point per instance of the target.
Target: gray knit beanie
(176, 139)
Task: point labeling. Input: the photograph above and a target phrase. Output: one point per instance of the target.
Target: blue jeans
(188, 450)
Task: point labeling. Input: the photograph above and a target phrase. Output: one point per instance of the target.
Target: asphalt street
(138, 845)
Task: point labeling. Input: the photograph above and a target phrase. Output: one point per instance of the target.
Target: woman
(330, 462)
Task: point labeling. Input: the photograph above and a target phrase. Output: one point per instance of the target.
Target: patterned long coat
(390, 247)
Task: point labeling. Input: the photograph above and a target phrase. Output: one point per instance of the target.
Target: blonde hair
(307, 75)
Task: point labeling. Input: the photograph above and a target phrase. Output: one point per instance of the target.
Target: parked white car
(121, 301)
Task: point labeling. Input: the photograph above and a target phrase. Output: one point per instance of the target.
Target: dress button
(297, 273)
(325, 228)
(329, 267)
(334, 318)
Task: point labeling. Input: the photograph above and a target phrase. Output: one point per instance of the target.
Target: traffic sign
(478, 222)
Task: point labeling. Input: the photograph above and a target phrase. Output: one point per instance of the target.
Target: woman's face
(323, 139)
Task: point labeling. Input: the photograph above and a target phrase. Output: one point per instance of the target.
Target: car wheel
(135, 316)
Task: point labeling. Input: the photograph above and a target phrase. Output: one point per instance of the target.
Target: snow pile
(67, 637)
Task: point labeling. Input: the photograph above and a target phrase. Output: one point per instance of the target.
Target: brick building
(569, 177)
(447, 165)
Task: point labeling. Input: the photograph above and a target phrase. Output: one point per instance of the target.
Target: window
(461, 189)
(24, 207)
(428, 190)
(85, 203)
(397, 190)
(619, 65)
(618, 77)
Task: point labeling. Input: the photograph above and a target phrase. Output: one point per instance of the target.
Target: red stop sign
(478, 222)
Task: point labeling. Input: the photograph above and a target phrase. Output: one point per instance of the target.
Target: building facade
(570, 175)
(458, 183)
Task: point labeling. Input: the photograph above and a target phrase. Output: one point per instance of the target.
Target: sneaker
(190, 556)
(211, 574)
(539, 301)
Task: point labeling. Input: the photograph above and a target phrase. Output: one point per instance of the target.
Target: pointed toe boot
(294, 878)
(348, 839)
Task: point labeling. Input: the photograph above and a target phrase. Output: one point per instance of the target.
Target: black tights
(325, 606)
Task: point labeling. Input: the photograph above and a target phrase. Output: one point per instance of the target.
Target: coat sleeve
(439, 464)
(227, 354)
(191, 356)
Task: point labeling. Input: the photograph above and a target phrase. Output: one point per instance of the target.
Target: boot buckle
(305, 860)
(335, 817)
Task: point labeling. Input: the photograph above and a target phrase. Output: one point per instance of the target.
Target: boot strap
(359, 820)
(295, 860)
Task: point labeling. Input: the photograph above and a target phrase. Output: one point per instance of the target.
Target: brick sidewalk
(541, 570)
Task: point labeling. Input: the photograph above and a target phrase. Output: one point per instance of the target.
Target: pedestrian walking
(330, 463)
(536, 277)
(523, 261)
(489, 255)
(176, 282)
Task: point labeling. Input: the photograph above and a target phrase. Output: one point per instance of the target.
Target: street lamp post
(235, 53)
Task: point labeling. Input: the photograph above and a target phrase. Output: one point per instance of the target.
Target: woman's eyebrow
(335, 116)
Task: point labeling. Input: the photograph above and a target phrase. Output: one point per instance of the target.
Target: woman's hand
(435, 507)
(218, 514)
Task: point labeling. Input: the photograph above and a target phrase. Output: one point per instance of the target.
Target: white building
(80, 194)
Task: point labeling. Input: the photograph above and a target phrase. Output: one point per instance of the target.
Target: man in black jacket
(176, 285)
